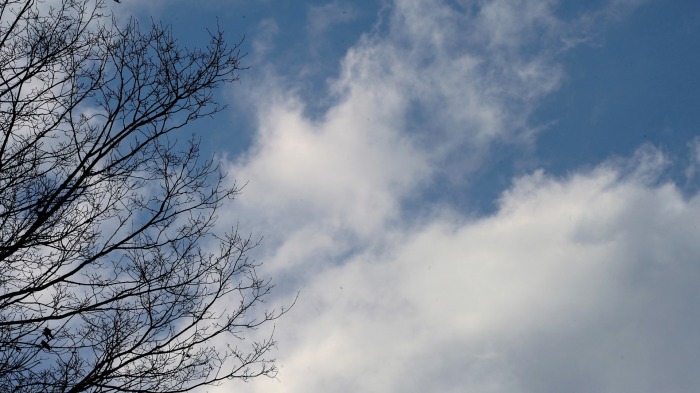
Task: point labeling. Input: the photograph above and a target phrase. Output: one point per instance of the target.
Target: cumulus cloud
(583, 283)
(577, 284)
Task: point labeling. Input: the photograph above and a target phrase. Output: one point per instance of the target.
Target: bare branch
(111, 279)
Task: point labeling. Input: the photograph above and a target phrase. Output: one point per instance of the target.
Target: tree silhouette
(111, 276)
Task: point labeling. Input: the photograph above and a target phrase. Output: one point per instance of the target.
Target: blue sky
(487, 196)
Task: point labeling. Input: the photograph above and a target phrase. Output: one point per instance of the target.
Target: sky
(495, 196)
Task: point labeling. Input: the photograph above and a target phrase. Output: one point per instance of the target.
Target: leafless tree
(112, 277)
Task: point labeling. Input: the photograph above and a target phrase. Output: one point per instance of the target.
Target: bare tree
(111, 276)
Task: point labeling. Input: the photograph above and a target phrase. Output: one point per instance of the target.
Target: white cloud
(404, 103)
(574, 284)
(577, 284)
(422, 99)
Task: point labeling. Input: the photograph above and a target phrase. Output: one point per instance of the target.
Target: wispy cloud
(405, 103)
(323, 17)
(262, 44)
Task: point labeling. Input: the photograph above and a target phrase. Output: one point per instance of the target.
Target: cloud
(263, 41)
(585, 283)
(573, 284)
(405, 103)
(322, 17)
(694, 164)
